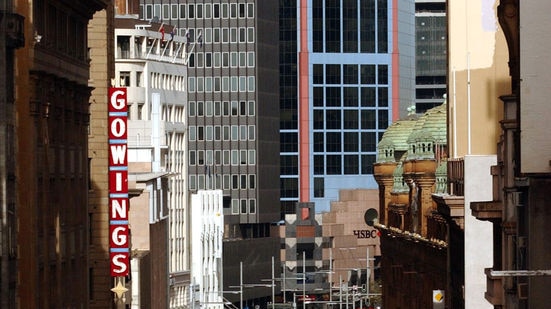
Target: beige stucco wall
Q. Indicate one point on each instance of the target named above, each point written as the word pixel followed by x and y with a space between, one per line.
pixel 477 74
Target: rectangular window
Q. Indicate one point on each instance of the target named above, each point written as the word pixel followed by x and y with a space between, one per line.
pixel 250 10
pixel 208 84
pixel 367 72
pixel 242 35
pixel 217 108
pixel 217 133
pixel 252 181
pixel 225 60
pixel 208 35
pixel 234 157
pixel 226 132
pixel 369 142
pixel 183 11
pixel 234 108
pixel 235 206
pixel 242 132
pixel 234 133
pixel 225 35
pixel 233 35
pixel 200 108
pixel 234 182
pixel 333 73
pixel 216 35
pixel 191 108
pixel 208 60
pixel 216 59
pixel 174 11
pixel 166 12
pixel 200 133
pixel 225 10
pixel 319 165
pixel 250 59
pixel 191 84
pixel 200 157
pixel 234 84
pixel 250 35
pixel 192 133
pixel 192 159
pixel 201 182
pixel 334 166
pixel 217 156
pixel 251 108
pixel 332 26
pixel 243 206
pixel 191 11
pixel 192 182
pixel 209 160
pixel 251 84
pixel 350 142
pixel 251 136
pixel 319 187
pixel 242 83
pixel 209 133
pixel 217 86
pixel 199 11
pixel 227 182
pixel 208 11
pixel 242 59
pixel 225 84
pixel 233 10
pixel 216 10
pixel 243 182
pixel 382 74
pixel 234 60
pixel 367 164
pixel 252 157
pixel 226 108
pixel 226 157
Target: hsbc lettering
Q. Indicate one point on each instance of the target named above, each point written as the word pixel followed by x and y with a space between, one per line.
pixel 119 242
pixel 366 233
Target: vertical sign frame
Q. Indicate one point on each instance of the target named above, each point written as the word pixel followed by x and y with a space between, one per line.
pixel 119 242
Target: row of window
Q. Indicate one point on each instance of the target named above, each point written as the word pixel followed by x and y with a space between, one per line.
pixel 350 74
pixel 224 84
pixel 212 158
pixel 222 60
pixel 222 133
pixel 196 11
pixel 221 108
pixel 350 119
pixel 243 206
pixel 222 182
pixel 350 96
pixel 350 26
pixel 348 164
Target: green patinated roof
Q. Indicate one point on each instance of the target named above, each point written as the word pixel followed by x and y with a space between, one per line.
pixel 431 126
pixel 398 133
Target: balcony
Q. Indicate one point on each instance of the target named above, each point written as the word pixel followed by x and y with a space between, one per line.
pixel 456 174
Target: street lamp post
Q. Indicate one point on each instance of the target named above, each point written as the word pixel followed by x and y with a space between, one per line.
pixel 303 280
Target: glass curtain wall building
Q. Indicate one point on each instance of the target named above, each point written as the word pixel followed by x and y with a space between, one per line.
pixel 354 63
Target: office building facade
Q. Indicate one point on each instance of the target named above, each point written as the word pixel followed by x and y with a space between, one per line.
pixel 233 115
pixel 347 71
pixel 430 53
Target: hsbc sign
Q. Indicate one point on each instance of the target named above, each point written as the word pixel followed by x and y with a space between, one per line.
pixel 119 242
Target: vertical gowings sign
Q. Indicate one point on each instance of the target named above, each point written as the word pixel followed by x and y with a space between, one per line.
pixel 119 243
